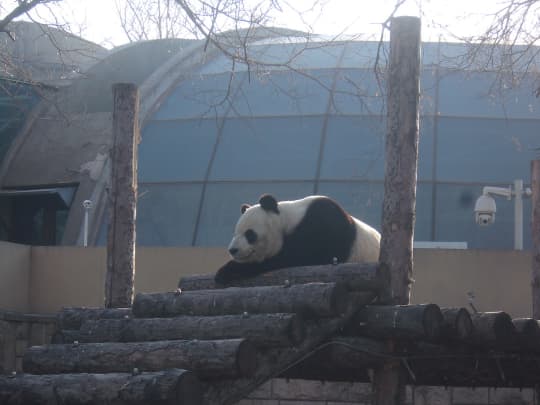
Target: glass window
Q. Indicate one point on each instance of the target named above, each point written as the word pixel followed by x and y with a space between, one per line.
pixel 284 93
pixel 166 214
pixel 357 92
pixel 203 96
pixel 268 149
pixel 298 54
pixel 365 200
pixel 485 150
pixel 455 221
pixel 222 202
pixel 474 94
pixel 176 150
pixel 354 148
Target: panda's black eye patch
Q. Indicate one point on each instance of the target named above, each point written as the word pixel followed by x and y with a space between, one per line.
pixel 251 236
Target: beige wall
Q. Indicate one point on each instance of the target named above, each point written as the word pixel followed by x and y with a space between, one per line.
pixel 14 276
pixel 74 276
pixel 500 280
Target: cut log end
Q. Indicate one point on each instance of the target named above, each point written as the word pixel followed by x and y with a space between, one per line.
pixel 457 323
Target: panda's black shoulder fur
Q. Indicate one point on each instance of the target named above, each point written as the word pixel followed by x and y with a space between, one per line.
pixel 324 233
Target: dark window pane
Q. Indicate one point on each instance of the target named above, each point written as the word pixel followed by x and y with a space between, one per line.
pixel 222 203
pixel 176 150
pixel 268 148
pixel 485 150
pixel 455 219
pixel 166 214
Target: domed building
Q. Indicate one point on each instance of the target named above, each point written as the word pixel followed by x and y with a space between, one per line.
pixel 304 116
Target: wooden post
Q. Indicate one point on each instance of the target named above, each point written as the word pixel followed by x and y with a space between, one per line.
pixel 535 187
pixel 396 257
pixel 122 197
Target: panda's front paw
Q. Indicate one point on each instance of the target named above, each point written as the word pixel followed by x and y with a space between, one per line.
pixel 226 274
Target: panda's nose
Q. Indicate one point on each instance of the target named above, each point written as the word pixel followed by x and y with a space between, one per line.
pixel 233 251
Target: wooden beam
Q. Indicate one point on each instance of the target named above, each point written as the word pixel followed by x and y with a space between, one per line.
pixel 401 161
pixel 122 197
pixel 313 299
pixel 165 387
pixel 262 329
pixel 207 358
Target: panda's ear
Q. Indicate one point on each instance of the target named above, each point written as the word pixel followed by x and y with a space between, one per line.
pixel 244 207
pixel 269 203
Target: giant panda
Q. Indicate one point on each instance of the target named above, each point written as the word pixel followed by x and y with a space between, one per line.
pixel 314 230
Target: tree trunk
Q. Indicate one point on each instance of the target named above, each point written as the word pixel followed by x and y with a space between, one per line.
pixel 262 330
pixel 207 358
pixel 73 318
pixel 357 277
pixel 165 387
pixel 401 161
pixel 535 187
pixel 320 299
pixel 122 198
pixel 399 322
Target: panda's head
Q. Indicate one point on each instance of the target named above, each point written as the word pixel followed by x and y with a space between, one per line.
pixel 259 233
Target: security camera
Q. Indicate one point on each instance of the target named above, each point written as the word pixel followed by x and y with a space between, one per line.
pixel 87 204
pixel 484 210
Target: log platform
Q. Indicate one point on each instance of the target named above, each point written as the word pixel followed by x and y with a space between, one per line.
pixel 211 344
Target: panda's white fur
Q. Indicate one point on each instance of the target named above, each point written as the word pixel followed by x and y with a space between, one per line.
pixel 309 231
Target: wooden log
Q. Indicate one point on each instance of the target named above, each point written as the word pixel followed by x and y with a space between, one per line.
pixel 164 387
pixel 527 327
pixel 355 276
pixel 457 324
pixel 261 329
pixel 73 318
pixel 207 358
pixel 399 321
pixel 313 299
pixel 122 201
pixel 493 328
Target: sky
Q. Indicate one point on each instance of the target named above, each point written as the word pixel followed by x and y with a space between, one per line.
pixel 97 20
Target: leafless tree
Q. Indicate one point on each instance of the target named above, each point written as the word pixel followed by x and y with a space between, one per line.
pixel 154 19
pixel 509 46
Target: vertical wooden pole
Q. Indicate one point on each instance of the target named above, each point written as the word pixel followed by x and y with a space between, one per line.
pixel 535 282
pixel 122 198
pixel 399 203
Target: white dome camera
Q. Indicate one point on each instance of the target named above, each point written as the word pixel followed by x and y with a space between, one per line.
pixel 87 204
pixel 484 210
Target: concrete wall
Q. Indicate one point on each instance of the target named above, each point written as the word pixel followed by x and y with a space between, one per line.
pixel 14 276
pixel 45 279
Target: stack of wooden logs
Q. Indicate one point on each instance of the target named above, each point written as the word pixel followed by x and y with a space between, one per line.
pixel 204 343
